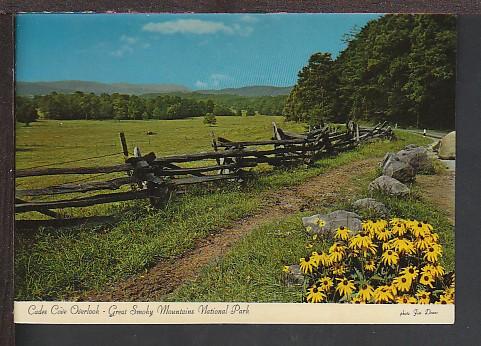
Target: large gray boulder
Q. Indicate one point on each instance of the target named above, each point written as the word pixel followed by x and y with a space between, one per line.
pixel 447 147
pixel 399 170
pixel 415 156
pixel 329 223
pixel 370 205
pixel 389 186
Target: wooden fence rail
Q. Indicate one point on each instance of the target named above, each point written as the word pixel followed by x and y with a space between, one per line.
pixel 157 177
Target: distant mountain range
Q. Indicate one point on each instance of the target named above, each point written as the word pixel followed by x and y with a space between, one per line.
pixel 70 86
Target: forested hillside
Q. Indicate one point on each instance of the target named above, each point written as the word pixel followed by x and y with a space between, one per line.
pixel 399 68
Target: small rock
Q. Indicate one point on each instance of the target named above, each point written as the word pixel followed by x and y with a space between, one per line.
pixel 388 185
pixel 328 223
pixel 447 147
pixel 293 276
pixel 371 205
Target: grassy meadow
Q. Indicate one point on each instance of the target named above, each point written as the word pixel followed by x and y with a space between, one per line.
pixel 63 263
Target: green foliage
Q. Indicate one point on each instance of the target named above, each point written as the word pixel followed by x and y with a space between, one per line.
pixel 398 68
pixel 210 119
pixel 25 110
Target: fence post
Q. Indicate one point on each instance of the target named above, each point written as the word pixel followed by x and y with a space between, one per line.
pixel 357 133
pixel 123 142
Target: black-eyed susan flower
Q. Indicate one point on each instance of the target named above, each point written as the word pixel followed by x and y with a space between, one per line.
pixel 403 245
pixel 370 265
pixel 307 264
pixel 345 287
pixel 383 234
pixel 357 300
pixel 309 246
pixel 320 222
pixel 366 292
pixel 423 297
pixel 342 233
pixel 390 257
pixel 421 243
pixel 399 229
pixel 325 283
pixel 410 272
pixel 406 299
pixel 360 241
pixel 323 259
pixel 338 269
pixel 443 299
pixel 402 283
pixel 383 294
pixel 432 253
pixel 315 295
pixel 426 280
pixel 285 269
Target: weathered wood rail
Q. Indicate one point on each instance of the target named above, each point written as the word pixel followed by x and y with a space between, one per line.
pixel 157 178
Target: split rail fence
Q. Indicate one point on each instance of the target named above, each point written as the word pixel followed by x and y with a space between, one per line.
pixel 157 178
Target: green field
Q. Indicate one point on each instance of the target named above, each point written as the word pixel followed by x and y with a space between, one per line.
pixel 63 263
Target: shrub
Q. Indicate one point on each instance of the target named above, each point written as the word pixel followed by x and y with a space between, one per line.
pixel 210 119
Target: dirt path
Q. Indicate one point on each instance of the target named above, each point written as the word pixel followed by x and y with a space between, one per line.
pixel 167 275
pixel 439 189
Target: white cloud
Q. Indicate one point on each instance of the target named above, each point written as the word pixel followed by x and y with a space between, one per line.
pixel 201 85
pixel 214 81
pixel 128 45
pixel 196 27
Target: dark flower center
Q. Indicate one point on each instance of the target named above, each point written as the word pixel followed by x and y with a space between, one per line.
pixel 389 252
pixel 411 271
pixel 431 249
pixel 325 282
pixel 426 278
pixel 364 286
pixel 345 282
pixel 342 228
pixel 423 296
pixel 403 280
pixel 405 300
pixel 314 290
pixel 443 302
pixel 399 225
pixel 420 225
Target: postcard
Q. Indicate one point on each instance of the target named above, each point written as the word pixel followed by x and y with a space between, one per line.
pixel 235 168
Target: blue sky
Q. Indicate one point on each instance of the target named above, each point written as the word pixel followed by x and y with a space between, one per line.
pixel 199 51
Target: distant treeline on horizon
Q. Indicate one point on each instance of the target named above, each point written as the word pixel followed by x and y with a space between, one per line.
pixel 90 106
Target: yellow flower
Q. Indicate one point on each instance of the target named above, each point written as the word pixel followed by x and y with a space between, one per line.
pixel 419 229
pixel 357 300
pixel 338 269
pixel 337 252
pixel 403 245
pixel 390 257
pixel 399 228
pixel 426 280
pixel 393 289
pixel 402 283
pixel 360 241
pixel 308 246
pixel 410 272
pixel 406 299
pixel 383 234
pixel 315 295
pixel 314 236
pixel 370 265
pixel 372 248
pixel 443 299
pixel 285 269
pixel 422 243
pixel 366 292
pixel 321 222
pixel 345 287
pixel 325 283
pixel 307 264
pixel 423 297
pixel 383 294
pixel 432 253
pixel 342 233
pixel 324 259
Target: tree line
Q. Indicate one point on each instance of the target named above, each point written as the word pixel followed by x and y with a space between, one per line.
pixel 89 106
pixel 398 68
